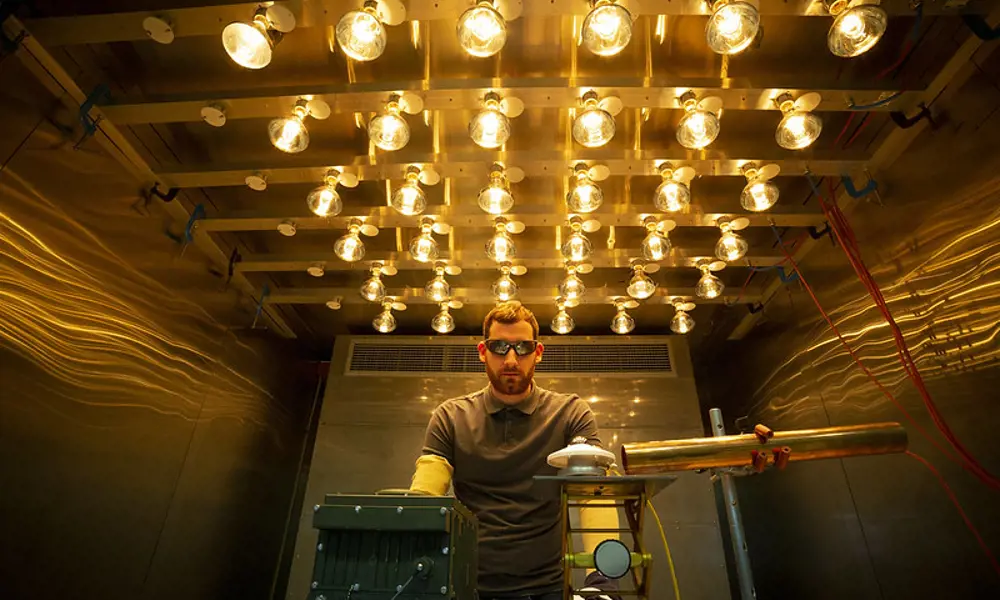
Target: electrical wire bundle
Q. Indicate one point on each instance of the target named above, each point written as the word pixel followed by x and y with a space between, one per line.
pixel 845 236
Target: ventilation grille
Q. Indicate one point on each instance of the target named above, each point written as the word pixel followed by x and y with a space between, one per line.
pixel 559 358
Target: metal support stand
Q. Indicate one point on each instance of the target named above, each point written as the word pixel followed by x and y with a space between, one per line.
pixel 735 518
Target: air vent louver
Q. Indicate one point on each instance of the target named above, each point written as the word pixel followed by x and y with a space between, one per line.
pixel 372 358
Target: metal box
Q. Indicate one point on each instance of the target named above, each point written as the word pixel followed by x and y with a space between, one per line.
pixel 393 547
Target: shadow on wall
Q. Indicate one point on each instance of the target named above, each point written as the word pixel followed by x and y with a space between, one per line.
pixel 943 294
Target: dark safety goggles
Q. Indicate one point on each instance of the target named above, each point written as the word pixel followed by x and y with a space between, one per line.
pixel 502 347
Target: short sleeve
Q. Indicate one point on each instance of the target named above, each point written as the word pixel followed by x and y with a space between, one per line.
pixel 582 423
pixel 439 439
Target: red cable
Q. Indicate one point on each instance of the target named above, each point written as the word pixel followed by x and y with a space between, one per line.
pixel 958 507
pixel 857 132
pixel 850 120
pixel 845 235
pixel 858 362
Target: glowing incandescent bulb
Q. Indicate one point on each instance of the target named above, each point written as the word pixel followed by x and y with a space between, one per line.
pixel 424 247
pixel 409 199
pixel 732 27
pixel 586 196
pixel 350 248
pixel 682 322
pixel 438 289
pixel 373 290
pixel 641 286
pixel 656 245
pixel 798 128
pixel 496 199
pixel 360 34
pixel 730 246
pixel 504 288
pixel 324 201
pixel 855 30
pixel 562 323
pixel 290 134
pixel 577 248
pixel 385 322
pixel 572 287
pixel 443 322
pixel 389 131
pixel 490 128
pixel 607 29
pixel 250 44
pixel 482 30
pixel 759 194
pixel 500 248
pixel 698 127
pixel 622 322
pixel 709 286
pixel 593 126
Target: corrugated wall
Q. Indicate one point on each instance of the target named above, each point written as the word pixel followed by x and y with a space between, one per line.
pixel 148 448
pixel 882 527
pixel 372 427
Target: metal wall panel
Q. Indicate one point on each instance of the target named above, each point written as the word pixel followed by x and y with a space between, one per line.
pixel 885 520
pixel 371 432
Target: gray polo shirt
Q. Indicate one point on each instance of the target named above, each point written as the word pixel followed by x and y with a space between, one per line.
pixel 496 451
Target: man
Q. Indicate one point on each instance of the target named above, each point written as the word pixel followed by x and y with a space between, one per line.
pixel 491 443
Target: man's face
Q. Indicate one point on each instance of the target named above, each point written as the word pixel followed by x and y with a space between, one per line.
pixel 510 374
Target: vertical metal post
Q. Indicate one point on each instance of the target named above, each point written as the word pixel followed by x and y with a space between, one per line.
pixel 743 572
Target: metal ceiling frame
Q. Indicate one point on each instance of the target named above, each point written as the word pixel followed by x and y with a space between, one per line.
pixel 619 258
pixel 121 27
pixel 467 94
pixel 484 297
pixel 535 163
pixel 50 73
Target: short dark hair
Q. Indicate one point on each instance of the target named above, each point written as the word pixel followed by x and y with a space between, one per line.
pixel 509 313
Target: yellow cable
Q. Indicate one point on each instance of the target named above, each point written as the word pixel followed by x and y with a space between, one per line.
pixel 670 559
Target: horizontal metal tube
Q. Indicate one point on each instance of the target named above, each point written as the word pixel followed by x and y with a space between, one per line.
pixel 735 450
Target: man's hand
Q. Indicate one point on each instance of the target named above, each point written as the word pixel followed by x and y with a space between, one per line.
pixel 599 587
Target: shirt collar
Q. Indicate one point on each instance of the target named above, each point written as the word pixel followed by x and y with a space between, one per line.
pixel 526 406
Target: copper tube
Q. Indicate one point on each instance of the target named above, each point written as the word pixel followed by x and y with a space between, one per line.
pixel 734 450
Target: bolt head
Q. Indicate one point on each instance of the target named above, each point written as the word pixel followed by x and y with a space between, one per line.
pixel 314 585
pixel 444 510
pixel 399 510
pixel 444 589
pixel 357 509
pixel 321 597
pixel 319 547
pixel 315 507
pixel 444 550
pixel 399 588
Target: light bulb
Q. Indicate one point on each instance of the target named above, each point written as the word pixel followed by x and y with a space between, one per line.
pixel 577 247
pixel 709 286
pixel 732 27
pixel 443 322
pixel 759 195
pixel 672 196
pixel 437 289
pixel 562 323
pixel 490 128
pixel 289 134
pixel 798 130
pixel 607 28
pixel 641 286
pixel 500 248
pixel 482 31
pixel 495 200
pixel 360 34
pixel 585 197
pixel 424 248
pixel 697 129
pixel 373 290
pixel 622 322
pixel 504 288
pixel 324 201
pixel 349 248
pixel 593 127
pixel 248 44
pixel 409 199
pixel 730 246
pixel 572 287
pixel 681 323
pixel 856 30
pixel 389 131
pixel 655 246
pixel 384 322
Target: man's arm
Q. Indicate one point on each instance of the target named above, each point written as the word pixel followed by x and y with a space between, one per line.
pixel 434 468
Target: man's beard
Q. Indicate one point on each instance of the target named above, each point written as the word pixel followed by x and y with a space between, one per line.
pixel 511 386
